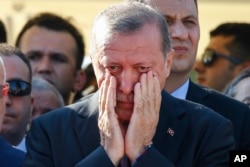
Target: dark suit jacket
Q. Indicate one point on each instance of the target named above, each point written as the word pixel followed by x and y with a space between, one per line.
pixel 70 137
pixel 237 112
pixel 10 156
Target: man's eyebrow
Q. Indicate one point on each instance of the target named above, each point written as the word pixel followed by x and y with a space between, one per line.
pixel 186 17
pixel 41 52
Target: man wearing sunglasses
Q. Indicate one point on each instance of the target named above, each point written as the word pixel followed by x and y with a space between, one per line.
pixel 183 22
pixel 19 102
pixel 9 156
pixel 227 54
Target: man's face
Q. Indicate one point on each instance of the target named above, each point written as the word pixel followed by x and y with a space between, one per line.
pixel 127 57
pixel 182 18
pixel 218 74
pixel 18 108
pixel 44 101
pixel 52 56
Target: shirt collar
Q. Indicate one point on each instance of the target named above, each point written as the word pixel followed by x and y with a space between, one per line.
pixel 181 92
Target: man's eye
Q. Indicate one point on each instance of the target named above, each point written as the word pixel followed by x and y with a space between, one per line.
pixel 169 21
pixel 58 58
pixel 144 69
pixel 189 23
pixel 113 68
pixel 34 56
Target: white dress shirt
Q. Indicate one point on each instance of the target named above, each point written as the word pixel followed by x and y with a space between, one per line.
pixel 22 146
pixel 181 92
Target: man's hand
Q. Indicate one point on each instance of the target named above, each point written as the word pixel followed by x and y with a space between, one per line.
pixel 111 136
pixel 144 120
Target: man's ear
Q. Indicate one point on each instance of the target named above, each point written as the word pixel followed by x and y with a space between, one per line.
pixel 80 80
pixel 168 62
pixel 239 68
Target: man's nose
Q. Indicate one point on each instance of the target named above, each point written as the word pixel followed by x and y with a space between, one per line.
pixel 127 81
pixel 44 66
pixel 199 67
pixel 178 31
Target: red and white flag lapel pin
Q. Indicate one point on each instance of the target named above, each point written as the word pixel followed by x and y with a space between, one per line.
pixel 170 131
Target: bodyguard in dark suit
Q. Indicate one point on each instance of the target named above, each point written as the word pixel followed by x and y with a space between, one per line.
pixel 238 113
pixel 184 28
pixel 130 120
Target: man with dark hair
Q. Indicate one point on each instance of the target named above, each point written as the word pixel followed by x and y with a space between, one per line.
pixel 226 55
pixel 130 120
pixel 9 156
pixel 184 28
pixel 3 33
pixel 19 102
pixel 55 49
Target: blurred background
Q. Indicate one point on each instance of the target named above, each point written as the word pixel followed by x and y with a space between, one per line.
pixel 14 14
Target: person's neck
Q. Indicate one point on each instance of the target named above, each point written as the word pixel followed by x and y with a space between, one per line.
pixel 174 81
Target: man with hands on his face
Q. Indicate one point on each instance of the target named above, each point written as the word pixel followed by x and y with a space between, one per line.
pixel 128 130
pixel 130 120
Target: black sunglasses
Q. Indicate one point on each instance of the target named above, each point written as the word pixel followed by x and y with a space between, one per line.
pixel 209 56
pixel 19 88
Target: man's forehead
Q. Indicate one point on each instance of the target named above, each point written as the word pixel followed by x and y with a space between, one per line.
pixel 174 6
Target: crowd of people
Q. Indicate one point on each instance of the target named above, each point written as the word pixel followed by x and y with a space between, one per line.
pixel 135 104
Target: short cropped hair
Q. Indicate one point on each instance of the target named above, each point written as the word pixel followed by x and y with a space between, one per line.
pixel 8 50
pixel 239 46
pixel 144 1
pixel 134 17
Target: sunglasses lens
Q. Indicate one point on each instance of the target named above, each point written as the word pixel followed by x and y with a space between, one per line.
pixel 19 88
pixel 208 57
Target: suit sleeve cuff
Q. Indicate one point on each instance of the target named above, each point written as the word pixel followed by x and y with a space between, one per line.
pixel 97 157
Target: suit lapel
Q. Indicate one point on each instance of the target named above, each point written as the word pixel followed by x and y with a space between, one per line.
pixel 195 94
pixel 86 128
pixel 172 127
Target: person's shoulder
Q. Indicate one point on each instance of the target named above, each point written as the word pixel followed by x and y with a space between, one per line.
pixel 215 98
pixel 82 108
pixel 9 155
pixel 195 111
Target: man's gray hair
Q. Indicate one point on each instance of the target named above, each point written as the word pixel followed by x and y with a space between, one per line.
pixel 127 17
pixel 41 84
